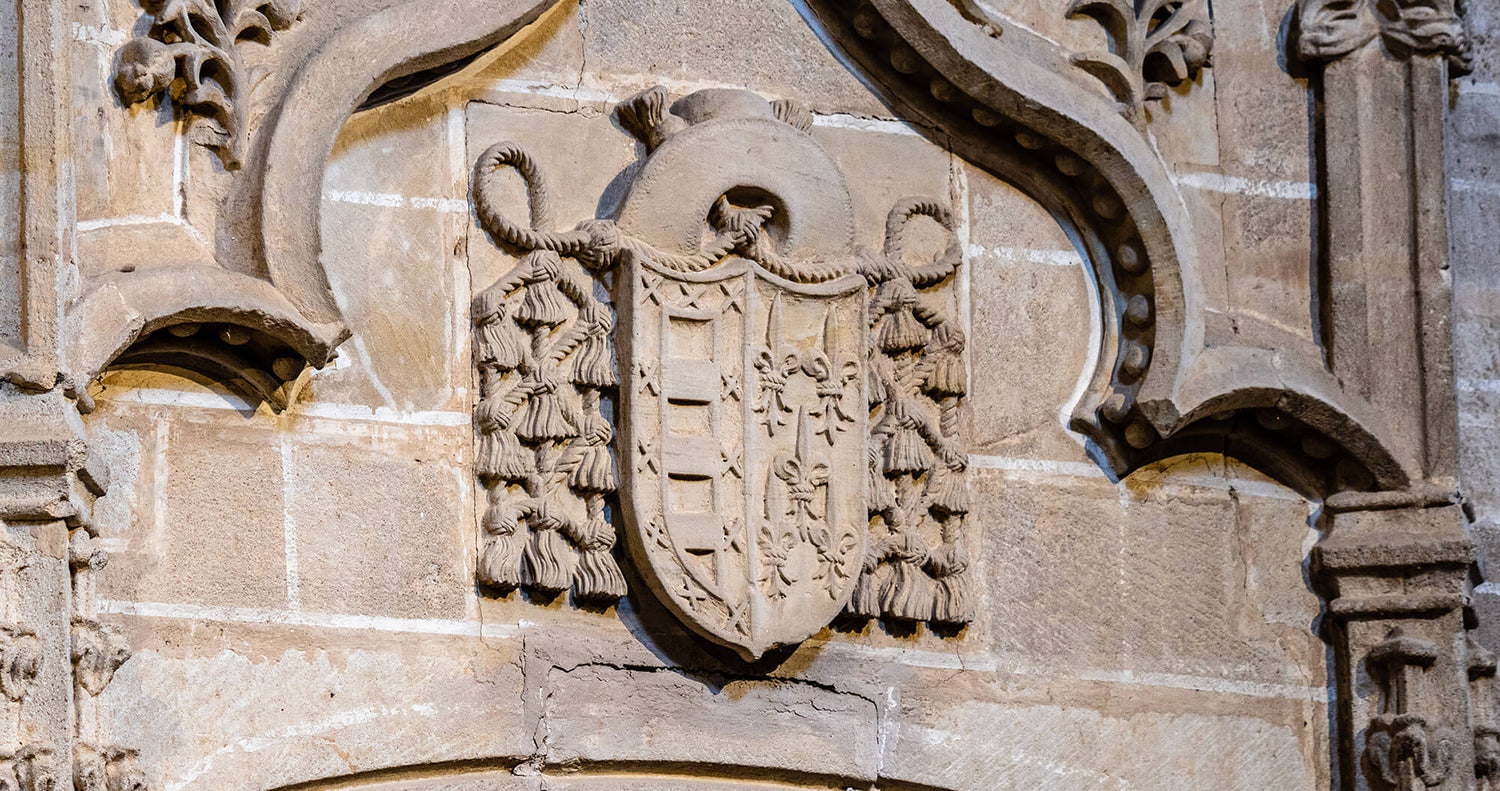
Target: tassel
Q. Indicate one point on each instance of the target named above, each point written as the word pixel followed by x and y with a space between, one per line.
pixel 865 601
pixel 499 346
pixel 544 420
pixel 496 342
pixel 543 305
pixel 591 363
pixel 906 452
pixel 907 594
pixel 948 378
pixel 500 564
pixel 502 458
pixel 547 556
pixel 875 383
pixel 595 472
pixel 597 577
pixel 882 499
pixel 947 492
pixel 898 330
pixel 952 603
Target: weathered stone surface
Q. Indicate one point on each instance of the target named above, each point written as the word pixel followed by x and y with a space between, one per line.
pixel 191 554
pixel 404 700
pixel 1163 254
pixel 1025 372
pixel 1059 747
pixel 662 716
pixel 380 528
pixel 689 44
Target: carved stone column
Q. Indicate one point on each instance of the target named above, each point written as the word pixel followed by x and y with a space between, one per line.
pixel 1395 573
pixel 1395 567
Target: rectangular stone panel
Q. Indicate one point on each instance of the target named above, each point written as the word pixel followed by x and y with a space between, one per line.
pixel 211 532
pixel 233 707
pixel 381 527
pixel 601 713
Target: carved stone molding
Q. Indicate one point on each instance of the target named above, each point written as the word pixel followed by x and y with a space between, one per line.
pixel 1395 573
pixel 1011 103
pixel 261 298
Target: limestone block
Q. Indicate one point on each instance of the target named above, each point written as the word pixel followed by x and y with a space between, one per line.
pixel 1087 578
pixel 766 47
pixel 381 527
pixel 1185 122
pixel 213 529
pixel 1264 121
pixel 601 712
pixel 980 744
pixel 126 162
pixel 388 197
pixel 10 188
pixel 1030 307
pixel 310 704
pixel 1266 254
pixel 549 52
pixel 888 162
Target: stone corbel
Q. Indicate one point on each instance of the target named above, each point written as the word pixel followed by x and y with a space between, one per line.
pixel 258 309
pixel 1016 104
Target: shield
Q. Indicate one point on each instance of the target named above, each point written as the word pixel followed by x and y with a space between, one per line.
pixel 744 450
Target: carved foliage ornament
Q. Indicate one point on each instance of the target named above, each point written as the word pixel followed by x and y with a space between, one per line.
pixel 1153 45
pixel 753 338
pixel 192 52
pixel 1331 29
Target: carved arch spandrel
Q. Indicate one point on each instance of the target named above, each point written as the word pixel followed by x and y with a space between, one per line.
pixel 1015 104
pixel 264 297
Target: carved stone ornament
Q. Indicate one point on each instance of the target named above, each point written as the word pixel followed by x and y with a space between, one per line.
pixel 754 341
pixel 1402 752
pixel 98 651
pixel 20 661
pixel 36 769
pixel 107 770
pixel 192 52
pixel 1153 45
pixel 1331 29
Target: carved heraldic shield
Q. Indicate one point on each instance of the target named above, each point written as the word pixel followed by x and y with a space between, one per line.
pixel 786 409
pixel 742 382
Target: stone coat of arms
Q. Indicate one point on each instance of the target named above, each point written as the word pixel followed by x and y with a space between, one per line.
pixel 778 464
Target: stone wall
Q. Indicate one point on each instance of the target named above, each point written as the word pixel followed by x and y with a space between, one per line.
pixel 299 587
pixel 1473 169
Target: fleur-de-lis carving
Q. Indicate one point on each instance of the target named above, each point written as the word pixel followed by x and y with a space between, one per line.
pixel 803 478
pixel 832 373
pixel 776 363
pixel 793 517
